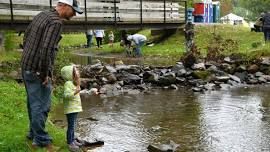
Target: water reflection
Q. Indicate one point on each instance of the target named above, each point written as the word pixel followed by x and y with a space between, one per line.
pixel 233 120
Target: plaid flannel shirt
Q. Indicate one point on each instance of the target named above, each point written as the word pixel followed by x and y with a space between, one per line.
pixel 40 43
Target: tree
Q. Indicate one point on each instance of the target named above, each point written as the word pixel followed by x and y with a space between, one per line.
pixel 256 7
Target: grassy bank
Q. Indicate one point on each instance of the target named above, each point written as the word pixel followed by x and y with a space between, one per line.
pixel 14 119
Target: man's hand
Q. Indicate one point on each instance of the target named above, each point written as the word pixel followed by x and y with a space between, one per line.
pixel 46 80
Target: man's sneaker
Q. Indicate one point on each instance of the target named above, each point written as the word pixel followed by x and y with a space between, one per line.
pixel 52 148
pixel 77 143
pixel 73 147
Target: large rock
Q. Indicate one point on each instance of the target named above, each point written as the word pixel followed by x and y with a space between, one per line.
pixel 253 68
pixel 90 71
pixel 181 73
pixel 222 78
pixel 149 76
pixel 109 69
pixel 243 76
pixel 266 61
pixel 235 78
pixel 167 79
pixel 86 83
pixel 178 66
pixel 110 90
pixel 199 66
pixel 168 147
pixel 131 79
pixel 241 68
pixel 111 78
pixel 201 74
pixel 227 68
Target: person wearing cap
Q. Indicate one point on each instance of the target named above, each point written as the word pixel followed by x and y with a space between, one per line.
pixel 39 50
pixel 139 41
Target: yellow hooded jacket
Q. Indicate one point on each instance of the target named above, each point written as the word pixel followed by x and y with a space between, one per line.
pixel 72 103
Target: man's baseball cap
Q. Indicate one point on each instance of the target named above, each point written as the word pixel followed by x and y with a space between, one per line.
pixel 73 4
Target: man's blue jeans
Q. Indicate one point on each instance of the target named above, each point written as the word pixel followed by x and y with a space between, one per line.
pixel 138 48
pixel 38 105
pixel 266 34
pixel 71 119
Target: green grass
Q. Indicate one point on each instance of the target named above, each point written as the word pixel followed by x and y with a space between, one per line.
pixel 14 119
pixel 242 35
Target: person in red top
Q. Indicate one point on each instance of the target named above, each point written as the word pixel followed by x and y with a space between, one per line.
pixel 39 50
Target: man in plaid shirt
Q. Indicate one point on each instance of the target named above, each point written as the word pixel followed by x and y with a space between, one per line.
pixel 40 45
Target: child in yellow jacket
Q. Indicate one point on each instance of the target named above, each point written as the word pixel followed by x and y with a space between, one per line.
pixel 72 102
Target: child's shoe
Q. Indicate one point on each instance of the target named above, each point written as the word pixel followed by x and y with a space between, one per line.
pixel 73 147
pixel 77 143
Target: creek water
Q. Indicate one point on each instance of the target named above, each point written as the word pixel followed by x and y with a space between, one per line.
pixel 237 119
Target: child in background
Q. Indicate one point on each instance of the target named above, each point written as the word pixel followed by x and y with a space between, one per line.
pixel 72 103
pixel 111 39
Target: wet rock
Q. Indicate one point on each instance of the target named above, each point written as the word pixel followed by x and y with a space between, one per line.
pixel 241 68
pixel 168 147
pixel 111 78
pixel 167 79
pixel 235 78
pixel 227 68
pixel 87 82
pixel 201 74
pixel 252 81
pixel 232 83
pixel 104 80
pixel 196 82
pixel 179 66
pixel 111 90
pixel 163 71
pixel 259 74
pixel 141 87
pixel 132 91
pixel 210 86
pixel 222 78
pixel 224 86
pixel 181 73
pixel 147 68
pixel 264 69
pixel 199 66
pixel 228 60
pixel 90 71
pixel 131 79
pixel 151 77
pixel 266 77
pixel 180 80
pixel 262 80
pixel 214 69
pixel 120 68
pixel 243 76
pixel 197 89
pixel 253 68
pixel 266 61
pixel 109 69
pixel 173 86
pixel 134 69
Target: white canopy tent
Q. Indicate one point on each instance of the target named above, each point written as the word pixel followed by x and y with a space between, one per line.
pixel 232 19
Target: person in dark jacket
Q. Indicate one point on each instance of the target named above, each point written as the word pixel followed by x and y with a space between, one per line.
pixel 266 26
pixel 39 51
